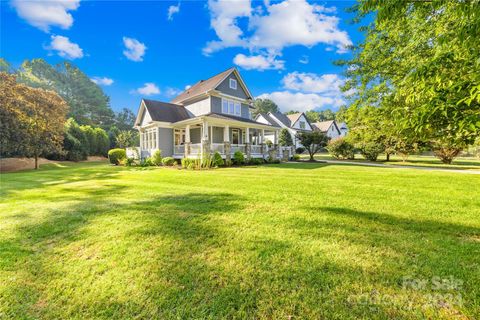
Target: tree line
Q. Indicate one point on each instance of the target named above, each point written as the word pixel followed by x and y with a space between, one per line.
pixel 57 112
pixel 414 82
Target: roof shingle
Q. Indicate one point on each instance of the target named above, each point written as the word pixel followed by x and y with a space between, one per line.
pixel 167 112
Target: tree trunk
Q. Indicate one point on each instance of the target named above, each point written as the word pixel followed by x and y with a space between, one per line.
pixel 36 161
pixel 388 156
pixel 311 156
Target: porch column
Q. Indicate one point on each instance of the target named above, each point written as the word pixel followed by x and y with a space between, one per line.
pixel 187 141
pixel 248 149
pixel 141 139
pixel 262 141
pixel 226 141
pixel 205 141
pixel 158 138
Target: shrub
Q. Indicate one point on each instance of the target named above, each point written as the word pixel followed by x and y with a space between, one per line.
pixel 341 149
pixel 256 161
pixel 268 143
pixel 116 155
pixel 129 162
pixel 296 157
pixel 217 160
pixel 167 161
pixel 157 158
pixel 238 158
pixel 300 150
pixel 285 139
pixel 371 150
pixel 147 162
pixel 186 163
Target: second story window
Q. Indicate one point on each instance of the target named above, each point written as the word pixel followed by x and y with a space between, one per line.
pixel 231 107
pixel 233 84
pixel 302 124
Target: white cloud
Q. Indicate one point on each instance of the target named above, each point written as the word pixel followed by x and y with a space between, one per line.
pixel 258 62
pixel 310 82
pixel 102 81
pixel 307 91
pixel 288 23
pixel 43 14
pixel 65 48
pixel 135 50
pixel 224 17
pixel 148 89
pixel 172 92
pixel 172 10
pixel 298 101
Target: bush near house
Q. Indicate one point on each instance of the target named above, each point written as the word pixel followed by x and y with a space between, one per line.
pixel 168 161
pixel 300 150
pixel 116 155
pixel 157 157
pixel 217 160
pixel 238 158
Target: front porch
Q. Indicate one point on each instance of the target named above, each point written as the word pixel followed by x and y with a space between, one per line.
pixel 207 136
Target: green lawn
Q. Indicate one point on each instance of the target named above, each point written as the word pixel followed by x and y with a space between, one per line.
pixel 470 163
pixel 299 241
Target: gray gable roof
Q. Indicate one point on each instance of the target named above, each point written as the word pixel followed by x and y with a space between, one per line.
pixel 166 112
pixel 282 118
pixel 268 118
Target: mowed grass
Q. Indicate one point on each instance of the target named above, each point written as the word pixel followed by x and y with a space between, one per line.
pixel 290 241
pixel 465 163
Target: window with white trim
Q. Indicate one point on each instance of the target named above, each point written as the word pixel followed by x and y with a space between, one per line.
pixel 302 124
pixel 231 107
pixel 233 84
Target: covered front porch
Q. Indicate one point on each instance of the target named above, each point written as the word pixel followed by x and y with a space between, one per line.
pixel 206 135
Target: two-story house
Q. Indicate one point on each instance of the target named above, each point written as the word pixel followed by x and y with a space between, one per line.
pixel 294 123
pixel 329 127
pixel 211 116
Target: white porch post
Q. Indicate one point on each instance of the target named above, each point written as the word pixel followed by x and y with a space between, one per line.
pixel 186 151
pixel 141 139
pixel 187 133
pixel 158 138
pixel 226 134
pixel 262 136
pixel 248 149
pixel 247 135
pixel 205 140
pixel 226 142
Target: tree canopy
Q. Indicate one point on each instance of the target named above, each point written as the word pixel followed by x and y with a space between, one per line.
pixel 32 119
pixel 88 104
pixel 264 106
pixel 419 64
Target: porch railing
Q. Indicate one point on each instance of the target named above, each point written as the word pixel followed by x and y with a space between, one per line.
pixel 237 147
pixel 256 149
pixel 195 148
pixel 179 149
pixel 218 147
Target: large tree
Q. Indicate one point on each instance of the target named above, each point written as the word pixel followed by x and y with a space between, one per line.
pixel 264 106
pixel 313 141
pixel 419 62
pixel 34 119
pixel 88 104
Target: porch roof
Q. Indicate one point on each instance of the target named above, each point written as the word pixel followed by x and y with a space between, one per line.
pixel 227 119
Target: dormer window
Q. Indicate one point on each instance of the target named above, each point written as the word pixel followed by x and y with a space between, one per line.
pixel 233 84
pixel 302 124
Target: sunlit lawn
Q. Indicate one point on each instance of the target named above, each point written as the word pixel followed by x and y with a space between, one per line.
pixel 306 241
pixel 471 163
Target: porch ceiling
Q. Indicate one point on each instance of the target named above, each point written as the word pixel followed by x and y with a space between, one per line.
pixel 221 121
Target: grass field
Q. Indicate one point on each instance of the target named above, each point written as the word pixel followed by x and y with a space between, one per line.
pixel 290 241
pixel 463 163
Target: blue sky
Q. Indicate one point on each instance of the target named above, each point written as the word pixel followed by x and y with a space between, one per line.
pixel 133 49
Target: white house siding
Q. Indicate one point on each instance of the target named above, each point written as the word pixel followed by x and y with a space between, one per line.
pixel 332 132
pixel 146 118
pixel 303 119
pixel 200 107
